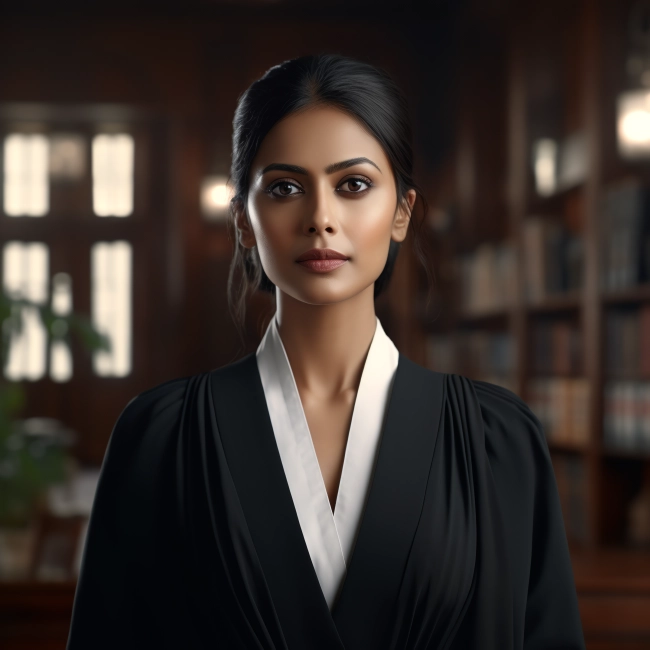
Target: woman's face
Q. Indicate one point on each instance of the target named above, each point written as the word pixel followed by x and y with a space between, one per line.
pixel 350 208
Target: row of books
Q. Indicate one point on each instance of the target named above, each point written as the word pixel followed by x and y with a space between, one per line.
pixel 553 256
pixel 562 406
pixel 477 353
pixel 624 224
pixel 570 476
pixel 626 419
pixel 627 341
pixel 556 347
pixel 553 259
pixel 487 278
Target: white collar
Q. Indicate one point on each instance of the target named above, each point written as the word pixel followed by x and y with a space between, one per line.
pixel 329 536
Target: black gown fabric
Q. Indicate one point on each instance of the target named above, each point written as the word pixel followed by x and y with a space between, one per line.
pixel 194 541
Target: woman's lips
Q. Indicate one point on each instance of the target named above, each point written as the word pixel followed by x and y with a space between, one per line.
pixel 322 266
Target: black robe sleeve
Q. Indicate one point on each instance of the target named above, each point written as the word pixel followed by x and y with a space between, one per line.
pixel 521 467
pixel 104 601
pixel 112 601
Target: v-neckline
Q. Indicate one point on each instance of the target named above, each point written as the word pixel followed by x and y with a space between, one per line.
pixel 302 425
pixel 330 533
pixel 388 522
pixel 340 454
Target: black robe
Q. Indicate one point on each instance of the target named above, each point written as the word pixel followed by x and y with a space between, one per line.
pixel 194 541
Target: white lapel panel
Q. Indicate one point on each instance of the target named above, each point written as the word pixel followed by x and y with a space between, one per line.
pixel 329 537
pixel 364 437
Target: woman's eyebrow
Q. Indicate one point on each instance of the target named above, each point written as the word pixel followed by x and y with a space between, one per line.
pixel 330 169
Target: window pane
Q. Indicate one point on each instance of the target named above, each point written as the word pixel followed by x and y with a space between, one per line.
pixel 113 175
pixel 26 190
pixel 25 275
pixel 111 264
pixel 67 156
pixel 60 353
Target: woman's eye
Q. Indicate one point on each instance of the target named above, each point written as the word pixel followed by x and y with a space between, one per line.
pixel 283 185
pixel 354 185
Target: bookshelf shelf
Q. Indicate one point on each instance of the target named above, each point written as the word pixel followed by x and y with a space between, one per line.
pixel 553 203
pixel 640 293
pixel 486 318
pixel 626 376
pixel 556 303
pixel 612 452
pixel 573 447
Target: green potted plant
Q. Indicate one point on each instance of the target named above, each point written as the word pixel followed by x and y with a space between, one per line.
pixel 29 463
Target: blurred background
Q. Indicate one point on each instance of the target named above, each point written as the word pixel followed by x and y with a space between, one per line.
pixel 532 144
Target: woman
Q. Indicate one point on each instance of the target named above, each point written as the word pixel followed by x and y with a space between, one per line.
pixel 325 491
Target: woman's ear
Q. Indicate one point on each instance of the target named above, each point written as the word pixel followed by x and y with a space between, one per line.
pixel 403 217
pixel 244 230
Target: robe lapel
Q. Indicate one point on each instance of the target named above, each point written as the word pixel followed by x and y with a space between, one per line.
pixel 256 468
pixel 362 613
pixel 360 617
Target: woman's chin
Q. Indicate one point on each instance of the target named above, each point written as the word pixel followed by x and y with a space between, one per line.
pixel 314 292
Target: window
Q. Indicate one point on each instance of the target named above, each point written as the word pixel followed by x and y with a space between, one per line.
pixel 111 305
pixel 113 175
pixel 48 171
pixel 25 274
pixel 26 191
pixel 60 356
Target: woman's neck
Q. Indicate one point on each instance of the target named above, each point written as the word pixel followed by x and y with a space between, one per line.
pixel 327 345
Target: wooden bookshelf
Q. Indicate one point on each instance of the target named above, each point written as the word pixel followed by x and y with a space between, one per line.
pixel 551 70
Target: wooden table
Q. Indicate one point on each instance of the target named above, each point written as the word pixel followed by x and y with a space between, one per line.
pixel 35 615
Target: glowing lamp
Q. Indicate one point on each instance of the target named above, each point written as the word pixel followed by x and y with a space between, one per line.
pixel 215 197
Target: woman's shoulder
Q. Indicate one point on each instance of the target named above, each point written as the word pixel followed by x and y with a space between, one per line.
pixel 515 442
pixel 148 418
pixel 155 400
pixel 166 399
pixel 507 416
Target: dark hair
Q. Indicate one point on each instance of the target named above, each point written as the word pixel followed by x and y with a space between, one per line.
pixel 366 93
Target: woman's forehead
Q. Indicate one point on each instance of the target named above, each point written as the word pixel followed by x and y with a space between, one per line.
pixel 316 139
